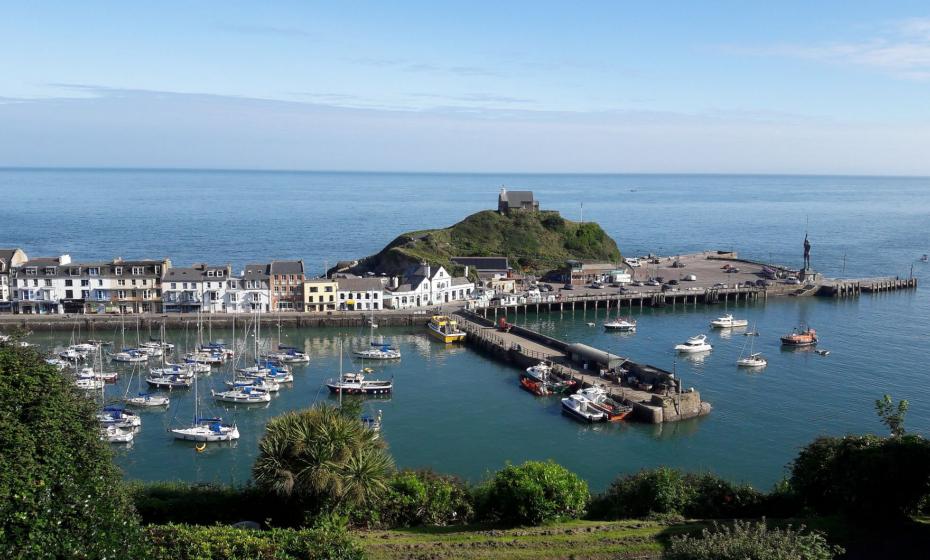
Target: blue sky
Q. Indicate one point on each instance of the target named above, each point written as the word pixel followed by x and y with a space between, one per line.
pixel 779 87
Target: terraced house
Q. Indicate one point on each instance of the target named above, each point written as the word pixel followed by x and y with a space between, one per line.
pixel 201 287
pixel 119 286
pixel 256 288
pixel 9 259
pixel 287 284
pixel 356 293
pixel 320 294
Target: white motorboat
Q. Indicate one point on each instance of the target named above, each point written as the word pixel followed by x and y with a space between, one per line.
pixel 119 417
pixel 148 400
pixel 130 356
pixel 728 322
pixel 84 347
pixel 752 361
pixel 539 372
pixel 89 384
pixel 72 355
pixel 621 324
pixel 581 408
pixel 243 395
pixel 58 363
pixel 151 351
pixel 91 373
pixel 357 384
pixel 112 434
pixel 694 344
pixel 168 381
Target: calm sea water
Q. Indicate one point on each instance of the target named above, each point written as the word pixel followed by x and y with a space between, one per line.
pixel 455 410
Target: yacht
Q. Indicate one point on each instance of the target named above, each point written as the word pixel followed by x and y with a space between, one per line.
pixel 130 355
pixel 243 395
pixel 263 383
pixel 727 322
pixel 694 344
pixel 621 324
pixel 445 329
pixel 112 434
pixel 90 373
pixel 89 384
pixel 289 355
pixel 207 430
pixel 148 400
pixel 208 358
pixel 174 369
pixel 119 417
pixel 168 381
pixel 73 355
pixel 378 353
pixel 752 361
pixel 580 408
pixel 356 384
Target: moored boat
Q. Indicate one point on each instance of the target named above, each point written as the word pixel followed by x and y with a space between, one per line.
pixel 752 361
pixel 800 337
pixel 694 344
pixel 148 400
pixel 621 324
pixel 207 430
pixel 599 399
pixel 445 329
pixel 168 381
pixel 129 356
pixel 580 408
pixel 243 395
pixel 113 434
pixel 357 384
pixel 727 322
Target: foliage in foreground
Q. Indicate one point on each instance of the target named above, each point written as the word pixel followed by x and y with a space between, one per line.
pixel 751 541
pixel 423 497
pixel 160 503
pixel 322 457
pixel 60 493
pixel 532 493
pixel 326 540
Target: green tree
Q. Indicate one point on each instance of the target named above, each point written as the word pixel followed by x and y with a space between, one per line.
pixel 60 493
pixel 892 416
pixel 533 493
pixel 323 456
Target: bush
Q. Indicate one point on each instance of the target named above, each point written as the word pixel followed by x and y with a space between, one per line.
pixel 61 496
pixel 751 541
pixel 883 478
pixel 532 493
pixel 328 540
pixel 714 498
pixel 207 504
pixel 656 491
pixel 423 498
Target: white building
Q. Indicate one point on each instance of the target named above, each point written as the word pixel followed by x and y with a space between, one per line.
pixel 9 259
pixel 424 287
pixel 356 293
pixel 38 285
pixel 255 288
pixel 200 287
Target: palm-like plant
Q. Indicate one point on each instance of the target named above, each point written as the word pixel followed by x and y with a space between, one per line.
pixel 322 454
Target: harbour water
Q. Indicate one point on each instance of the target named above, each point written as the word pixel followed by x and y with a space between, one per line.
pixel 457 411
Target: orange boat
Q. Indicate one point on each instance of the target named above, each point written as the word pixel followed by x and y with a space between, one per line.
pixel 538 388
pixel 800 338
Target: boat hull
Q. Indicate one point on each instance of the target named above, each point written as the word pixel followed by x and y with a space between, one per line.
pixel 446 337
pixel 377 390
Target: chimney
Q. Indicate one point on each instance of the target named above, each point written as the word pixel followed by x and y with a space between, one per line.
pixel 395 282
pixel 466 271
pixel 426 267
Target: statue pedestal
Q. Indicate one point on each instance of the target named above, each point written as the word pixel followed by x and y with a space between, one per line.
pixel 809 276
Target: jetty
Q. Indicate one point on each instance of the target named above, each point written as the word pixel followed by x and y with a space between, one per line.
pixel 656 395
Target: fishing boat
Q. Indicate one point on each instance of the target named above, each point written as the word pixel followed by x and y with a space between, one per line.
pixel 242 395
pixel 113 434
pixel 118 416
pixel 728 322
pixel 600 400
pixel 800 337
pixel 205 429
pixel 621 324
pixel 445 329
pixel 580 408
pixel 694 344
pixel 357 384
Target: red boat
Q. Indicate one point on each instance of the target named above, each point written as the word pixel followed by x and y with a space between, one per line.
pixel 806 337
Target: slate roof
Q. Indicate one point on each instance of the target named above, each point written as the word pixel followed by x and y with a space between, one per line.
pixel 517 199
pixel 484 263
pixel 257 271
pixel 360 284
pixel 287 267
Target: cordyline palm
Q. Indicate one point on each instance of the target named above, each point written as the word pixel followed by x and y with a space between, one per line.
pixel 322 453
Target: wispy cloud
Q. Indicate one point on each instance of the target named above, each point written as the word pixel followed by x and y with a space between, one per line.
pixel 901 49
pixel 266 30
pixel 427 68
pixel 475 98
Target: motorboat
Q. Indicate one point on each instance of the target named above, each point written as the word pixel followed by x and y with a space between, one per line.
pixel 72 355
pixel 800 337
pixel 601 400
pixel 207 430
pixel 89 384
pixel 539 372
pixel 119 417
pixel 130 355
pixel 243 395
pixel 445 329
pixel 263 383
pixel 357 384
pixel 148 400
pixel 694 344
pixel 728 322
pixel 84 347
pixel 58 363
pixel 153 351
pixel 539 380
pixel 580 408
pixel 621 324
pixel 168 381
pixel 113 434
pixel 754 360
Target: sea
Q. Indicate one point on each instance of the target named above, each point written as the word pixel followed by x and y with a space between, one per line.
pixel 455 410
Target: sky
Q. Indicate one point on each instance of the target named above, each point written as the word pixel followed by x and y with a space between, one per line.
pixel 587 87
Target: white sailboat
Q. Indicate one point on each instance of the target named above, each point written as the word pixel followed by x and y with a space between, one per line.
pixel 377 350
pixel 754 359
pixel 205 429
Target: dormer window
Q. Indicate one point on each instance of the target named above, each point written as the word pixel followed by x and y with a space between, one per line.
pixel 157 269
pixel 49 270
pixel 219 273
pixel 137 270
pixel 210 273
pixel 31 271
pixel 93 271
pixel 118 270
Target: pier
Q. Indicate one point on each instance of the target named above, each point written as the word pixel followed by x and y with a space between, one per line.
pixel 657 397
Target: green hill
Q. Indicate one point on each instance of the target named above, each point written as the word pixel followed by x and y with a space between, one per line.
pixel 534 241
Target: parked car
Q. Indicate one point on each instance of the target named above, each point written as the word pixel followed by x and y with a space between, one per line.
pixel 732 270
pixel 568 287
pixel 720 285
pixel 792 281
pixel 639 283
pixel 690 278
pixel 673 282
pixel 653 282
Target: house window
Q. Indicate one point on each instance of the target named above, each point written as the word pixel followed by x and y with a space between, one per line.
pixel 48 283
pixel 99 283
pixel 210 273
pixel 174 286
pixel 121 294
pixel 85 282
pixel 329 288
pixel 121 282
pixel 69 282
pixel 85 294
pixel 118 270
pixel 31 271
pixel 219 273
pixel 157 269
pixel 94 271
pixel 69 294
pixel 314 289
pixel 137 270
pixel 49 270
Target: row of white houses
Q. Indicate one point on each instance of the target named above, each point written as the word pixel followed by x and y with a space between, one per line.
pixel 58 285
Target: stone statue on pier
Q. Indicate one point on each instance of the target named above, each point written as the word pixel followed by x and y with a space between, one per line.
pixel 807 253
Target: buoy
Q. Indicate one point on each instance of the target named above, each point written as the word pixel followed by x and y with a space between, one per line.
pixel 200 447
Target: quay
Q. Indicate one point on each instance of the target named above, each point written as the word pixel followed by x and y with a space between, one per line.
pixel 657 397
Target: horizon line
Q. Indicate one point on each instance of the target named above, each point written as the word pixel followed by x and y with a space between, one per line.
pixel 423 172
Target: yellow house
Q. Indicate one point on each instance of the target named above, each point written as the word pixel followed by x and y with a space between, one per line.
pixel 320 295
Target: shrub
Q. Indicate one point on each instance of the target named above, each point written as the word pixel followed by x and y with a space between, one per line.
pixel 713 498
pixel 207 504
pixel 327 540
pixel 532 493
pixel 751 541
pixel 656 491
pixel 60 493
pixel 423 498
pixel 883 478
